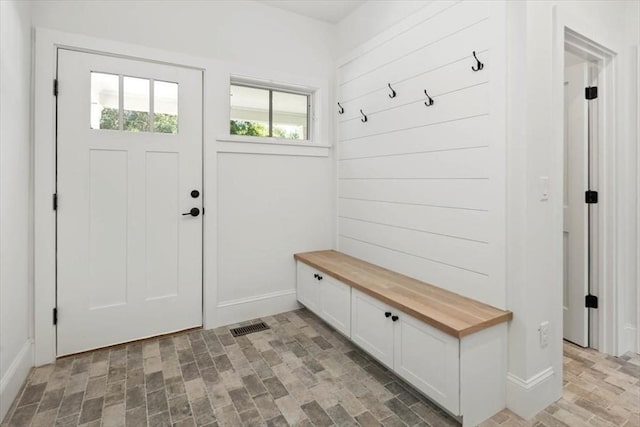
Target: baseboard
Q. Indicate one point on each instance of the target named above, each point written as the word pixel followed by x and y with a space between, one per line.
pixel 528 397
pixel 263 305
pixel 15 376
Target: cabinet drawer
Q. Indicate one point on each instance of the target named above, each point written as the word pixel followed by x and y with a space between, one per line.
pixel 371 329
pixel 428 359
pixel 308 287
pixel 335 304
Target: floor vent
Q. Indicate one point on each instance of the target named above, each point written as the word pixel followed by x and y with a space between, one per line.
pixel 244 330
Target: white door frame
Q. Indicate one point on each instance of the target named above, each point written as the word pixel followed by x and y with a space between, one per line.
pixel 46 44
pixel 602 58
pixel 608 271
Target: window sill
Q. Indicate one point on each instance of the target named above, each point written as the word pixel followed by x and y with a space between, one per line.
pixel 270 146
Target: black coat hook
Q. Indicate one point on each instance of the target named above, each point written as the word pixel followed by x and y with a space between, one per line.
pixel 364 117
pixel 393 92
pixel 341 110
pixel 479 66
pixel 429 101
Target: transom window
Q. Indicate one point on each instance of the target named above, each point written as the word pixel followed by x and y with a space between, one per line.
pixel 133 104
pixel 269 112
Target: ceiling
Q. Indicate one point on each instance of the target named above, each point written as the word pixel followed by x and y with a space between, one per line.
pixel 331 11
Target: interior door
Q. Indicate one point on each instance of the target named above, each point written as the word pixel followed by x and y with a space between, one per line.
pixel 576 235
pixel 129 216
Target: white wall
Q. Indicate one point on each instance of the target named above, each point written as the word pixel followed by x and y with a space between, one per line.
pixel 260 208
pixel 15 199
pixel 371 19
pixel 241 31
pixel 421 189
pixel 534 150
pixel 638 186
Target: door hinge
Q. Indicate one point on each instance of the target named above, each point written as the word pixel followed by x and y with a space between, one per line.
pixel 55 201
pixel 591 92
pixel 55 316
pixel 590 197
pixel 591 301
pixel 55 87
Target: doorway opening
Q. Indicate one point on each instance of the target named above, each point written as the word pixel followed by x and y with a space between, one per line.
pixel 589 298
pixel 580 230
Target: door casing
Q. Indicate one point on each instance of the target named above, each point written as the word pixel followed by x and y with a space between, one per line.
pixel 604 322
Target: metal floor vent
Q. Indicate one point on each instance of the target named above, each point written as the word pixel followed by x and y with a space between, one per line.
pixel 244 330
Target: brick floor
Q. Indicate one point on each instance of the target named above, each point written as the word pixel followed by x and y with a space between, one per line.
pixel 300 372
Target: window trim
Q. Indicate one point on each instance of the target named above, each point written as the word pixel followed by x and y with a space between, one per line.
pixel 308 92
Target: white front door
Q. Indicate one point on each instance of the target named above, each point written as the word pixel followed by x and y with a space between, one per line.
pixel 576 235
pixel 129 166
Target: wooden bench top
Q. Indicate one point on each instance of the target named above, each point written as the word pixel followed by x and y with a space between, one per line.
pixel 452 313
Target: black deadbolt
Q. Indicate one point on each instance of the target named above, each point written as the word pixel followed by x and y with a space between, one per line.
pixel 192 212
pixel 195 194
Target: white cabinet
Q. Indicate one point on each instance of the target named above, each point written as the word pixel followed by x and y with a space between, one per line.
pixel 326 297
pixel 424 356
pixel 308 290
pixel 372 327
pixel 465 375
pixel 428 359
pixel 335 304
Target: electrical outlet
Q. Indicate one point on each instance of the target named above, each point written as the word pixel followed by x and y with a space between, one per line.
pixel 544 334
pixel 544 188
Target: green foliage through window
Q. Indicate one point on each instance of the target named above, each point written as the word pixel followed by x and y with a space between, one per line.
pixel 241 127
pixel 268 112
pixel 138 121
pixel 165 123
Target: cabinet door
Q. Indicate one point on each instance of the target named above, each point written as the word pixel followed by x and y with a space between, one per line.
pixel 335 304
pixel 308 292
pixel 429 360
pixel 370 328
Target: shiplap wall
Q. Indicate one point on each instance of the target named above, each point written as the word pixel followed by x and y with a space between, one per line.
pixel 421 189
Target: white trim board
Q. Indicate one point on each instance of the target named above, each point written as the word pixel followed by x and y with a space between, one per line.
pixel 247 146
pixel 608 272
pixel 528 397
pixel 14 378
pixel 239 310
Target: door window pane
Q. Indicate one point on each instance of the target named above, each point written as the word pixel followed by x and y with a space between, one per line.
pixel 249 111
pixel 105 101
pixel 290 115
pixel 136 104
pixel 165 107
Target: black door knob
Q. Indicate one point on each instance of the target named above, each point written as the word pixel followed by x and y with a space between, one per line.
pixel 319 277
pixel 193 212
pixel 387 314
pixel 195 194
pixel 394 318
